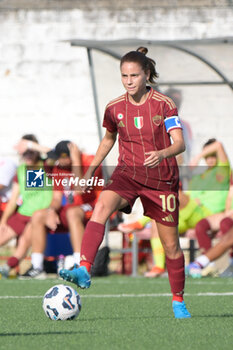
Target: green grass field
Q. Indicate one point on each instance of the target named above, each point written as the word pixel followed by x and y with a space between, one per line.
pixel 119 312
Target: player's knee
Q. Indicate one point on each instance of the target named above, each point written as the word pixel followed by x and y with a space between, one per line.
pixel 101 208
pixel 39 216
pixel 74 213
pixel 171 248
pixel 226 224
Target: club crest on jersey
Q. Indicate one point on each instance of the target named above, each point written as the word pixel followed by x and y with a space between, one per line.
pixel 120 116
pixel 138 122
pixel 157 119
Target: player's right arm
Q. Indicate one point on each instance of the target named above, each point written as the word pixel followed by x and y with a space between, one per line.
pixel 104 148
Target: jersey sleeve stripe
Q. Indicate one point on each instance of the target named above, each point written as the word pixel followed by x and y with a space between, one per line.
pixel 164 98
pixel 119 99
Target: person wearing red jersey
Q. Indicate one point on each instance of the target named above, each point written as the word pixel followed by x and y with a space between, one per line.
pixel 68 209
pixel 144 121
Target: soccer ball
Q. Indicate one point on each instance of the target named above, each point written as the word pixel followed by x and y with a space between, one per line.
pixel 61 302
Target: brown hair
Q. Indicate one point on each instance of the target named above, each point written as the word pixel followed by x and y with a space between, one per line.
pixel 28 152
pixel 30 137
pixel 209 142
pixel 147 64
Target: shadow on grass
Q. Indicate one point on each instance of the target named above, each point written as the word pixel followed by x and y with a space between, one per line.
pixel 42 333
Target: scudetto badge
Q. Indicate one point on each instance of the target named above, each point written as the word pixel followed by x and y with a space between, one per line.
pixel 138 122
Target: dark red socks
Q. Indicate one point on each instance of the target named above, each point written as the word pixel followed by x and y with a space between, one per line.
pixel 176 275
pixel 12 262
pixel 92 238
pixel 203 238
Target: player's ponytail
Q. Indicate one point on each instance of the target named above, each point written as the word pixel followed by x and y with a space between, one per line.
pixel 147 64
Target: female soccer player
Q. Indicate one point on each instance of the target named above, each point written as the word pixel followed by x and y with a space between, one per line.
pixel 144 120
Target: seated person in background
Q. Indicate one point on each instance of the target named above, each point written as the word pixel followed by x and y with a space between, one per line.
pixel 191 212
pixel 207 228
pixel 68 208
pixel 7 173
pixel 15 220
pixel 194 269
pixel 212 224
pixel 210 190
pixel 211 187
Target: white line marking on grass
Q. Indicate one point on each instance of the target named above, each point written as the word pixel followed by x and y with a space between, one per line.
pixel 20 296
pixel 154 295
pixel 133 280
pixel 163 281
pixel 212 294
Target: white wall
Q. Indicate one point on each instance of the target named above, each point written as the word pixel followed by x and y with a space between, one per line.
pixel 45 85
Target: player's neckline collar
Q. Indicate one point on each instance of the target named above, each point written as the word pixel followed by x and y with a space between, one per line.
pixel 149 94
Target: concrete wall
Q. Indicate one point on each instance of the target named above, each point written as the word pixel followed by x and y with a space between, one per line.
pixel 45 84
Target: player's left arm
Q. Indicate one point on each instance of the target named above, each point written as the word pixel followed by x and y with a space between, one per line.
pixel 178 146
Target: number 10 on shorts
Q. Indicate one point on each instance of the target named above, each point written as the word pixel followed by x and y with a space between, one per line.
pixel 168 202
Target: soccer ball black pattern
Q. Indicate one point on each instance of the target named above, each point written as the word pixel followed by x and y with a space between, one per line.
pixel 62 302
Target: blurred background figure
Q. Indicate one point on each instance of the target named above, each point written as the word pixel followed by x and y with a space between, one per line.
pixel 16 218
pixel 7 173
pixel 195 268
pixel 217 225
pixel 69 210
pixel 210 188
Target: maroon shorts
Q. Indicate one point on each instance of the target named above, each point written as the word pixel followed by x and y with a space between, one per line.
pixel 162 206
pixel 18 222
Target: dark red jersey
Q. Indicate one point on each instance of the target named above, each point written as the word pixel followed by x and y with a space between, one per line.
pixel 142 129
